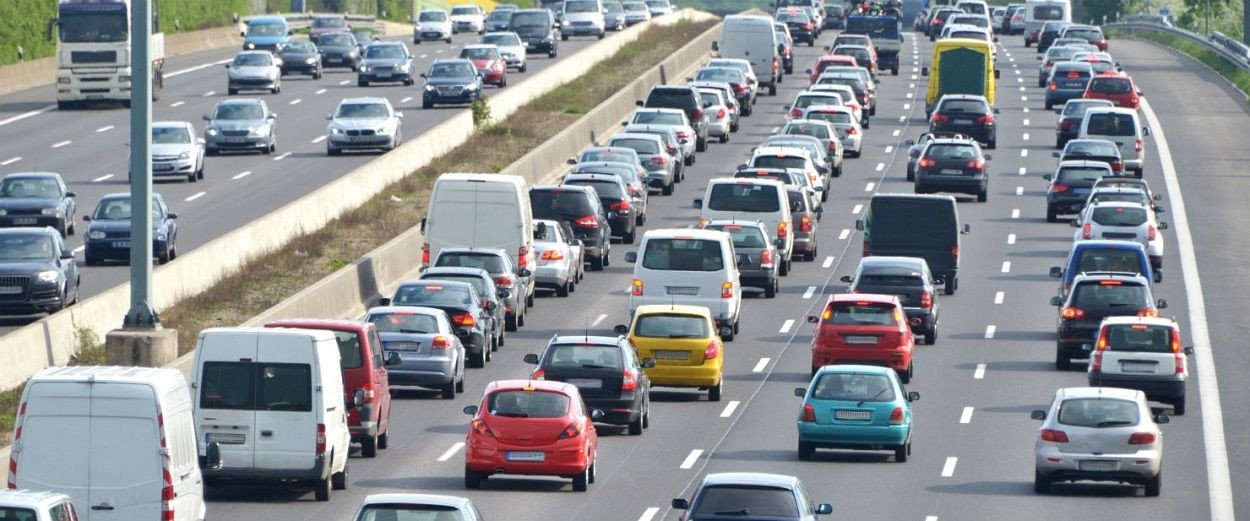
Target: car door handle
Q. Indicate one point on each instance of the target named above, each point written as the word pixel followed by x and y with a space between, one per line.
pixel 266 433
pixel 102 507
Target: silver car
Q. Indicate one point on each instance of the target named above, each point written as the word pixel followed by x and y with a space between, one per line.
pixel 364 124
pixel 498 263
pixel 758 258
pixel 803 219
pixel 431 25
pixel 431 354
pixel 559 257
pixel 468 19
pixel 846 127
pixel 636 12
pixel 254 70
pixel 828 164
pixel 1098 434
pixel 510 47
pixel 719 116
pixel 177 151
pixel 661 163
pixel 241 124
pixel 1142 353
pixel 1123 221
pixel 669 118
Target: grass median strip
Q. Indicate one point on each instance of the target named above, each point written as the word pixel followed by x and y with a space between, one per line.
pixel 1239 77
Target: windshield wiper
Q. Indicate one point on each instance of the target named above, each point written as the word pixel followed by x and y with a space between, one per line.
pixel 513 415
pixel 413 331
pixel 595 366
pixel 874 397
pixel 743 512
pixel 1113 423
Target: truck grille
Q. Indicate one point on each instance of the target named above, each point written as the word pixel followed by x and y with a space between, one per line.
pixel 93 56
pixel 13 289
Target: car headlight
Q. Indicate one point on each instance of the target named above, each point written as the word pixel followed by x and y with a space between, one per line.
pixel 211 131
pixel 95 234
pixel 430 88
pixel 4 212
pixel 159 234
pixel 50 211
pixel 48 276
pixel 336 131
pixel 259 131
pixel 353 52
pixel 251 46
pixel 311 61
pixel 471 86
pixel 366 68
pixel 184 155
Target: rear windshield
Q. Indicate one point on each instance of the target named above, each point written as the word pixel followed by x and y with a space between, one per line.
pixel 1110 86
pixel 743 236
pixel 1112 124
pixel 1078 109
pixel 1119 216
pixel 527 404
pixel 853 387
pixel 806 101
pixel 1100 259
pixel 432 16
pixel 1091 148
pixel 1120 197
pixel 1086 175
pixel 963 105
pixel 861 314
pixel 659 118
pixel 1087 34
pixel 409 512
pixel 669 98
pixel 913 223
pixel 1115 298
pixel 248 386
pixel 477 282
pixel 807 129
pixel 1098 412
pixel 778 162
pixel 642 146
pixel 605 189
pixel 951 151
pixel 719 74
pixel 432 295
pixel 671 326
pixel 18 514
pixel 350 356
pixel 573 356
pixel 400 322
pixel 744 197
pixel 1142 338
pixel 890 279
pixel 1047 12
pixel 490 263
pixel 760 502
pixel 611 156
pixel 558 204
pixel 683 255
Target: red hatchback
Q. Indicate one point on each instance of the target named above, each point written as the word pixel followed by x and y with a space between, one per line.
pixel 531 427
pixel 829 60
pixel 488 62
pixel 1117 88
pixel 861 328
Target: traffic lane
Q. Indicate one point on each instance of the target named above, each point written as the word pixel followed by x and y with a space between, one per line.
pixel 1204 119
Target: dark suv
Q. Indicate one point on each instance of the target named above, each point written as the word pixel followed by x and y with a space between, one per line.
pixel 953 165
pixel 1070 187
pixel 613 197
pixel 966 114
pixel 1050 31
pixel 37 271
pixel 580 207
pixel 1070 117
pixel 605 370
pixel 1096 295
pixel 685 98
pixel 910 280
pixel 538 29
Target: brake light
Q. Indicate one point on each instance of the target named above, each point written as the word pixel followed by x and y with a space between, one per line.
pixel 698 114
pixel 796 112
pixel 1180 362
pixel 1065 125
pixel 711 351
pixel 783 229
pixel 621 206
pixel 1142 438
pixel 937 21
pixel 1058 188
pixel 321 439
pixel 1138 145
pixel 1074 74
pixel 628 381
pixel 807 27
pixel 659 160
pixel 986 119
pixel 1095 362
pixel 523 257
pixel 463 319
pixel 425 254
pixel 727 290
pixel 17 438
pixel 805 224
pixel 1071 313
pixel 720 113
pixel 1102 340
pixel 978 164
pixel 482 429
pixel 926 163
pixel 1054 86
pixel 571 431
pixel 589 221
pixel 682 135
pixel 955 254
pixel 940 118
pixel 441 342
pixel 739 88
pixel 370 393
pixel 1152 232
pixel 503 280
pixel 851 131
pixel 1054 435
pixel 1048 64
pixel 926 299
pixel 1087 231
pixel 1117 166
pixel 552 255
pixel 766 259
pixel 1150 312
pixel 896 416
pixel 809 413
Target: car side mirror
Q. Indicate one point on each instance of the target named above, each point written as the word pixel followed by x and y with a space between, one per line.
pixel 809 71
pixel 859 224
pixel 212 457
pixel 1188 350
pixel 571 161
pixel 824 509
pixel 648 363
pixel 818 210
pixel 173 215
pixel 86 218
pixel 576 242
pixel 997 111
pixel 399 114
pixel 698 203
pixel 470 410
pixel 846 278
pixel 525 272
pixel 680 504
pixel 329 117
pixel 272 116
pixel 924 71
pixel 715 46
pixel 393 358
pixel 358 399
pixel 1162 418
pixel 384 301
pixel 206 117
pixel 530 358
pixel 1145 131
pixel 631 256
pixel 227 66
pixel 488 305
pixel 1058 111
pixel 624 123
pixel 997 73
pixel 463 334
pixel 67 255
pixel 596 414
pixel 779 243
pixel 1140 93
pixel 200 141
pixel 71 194
pixel 1162 303
pixel 989 157
pixel 640 103
pixel 1039 58
pixel 913 396
pixel 800 392
pixel 1056 272
pixel 785 107
pixel 1160 209
pixel 996 41
pixel 1056 301
pixel 1038 415
pixel 1074 223
pixel 1048 177
pixel 1163 225
pixel 423 75
pixel 621 329
pixel 910 143
pixel 1055 155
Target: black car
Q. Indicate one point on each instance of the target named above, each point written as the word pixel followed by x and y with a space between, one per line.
pixel 1095 296
pixel 108 231
pixel 1050 31
pixel 910 280
pixel 385 62
pixel 1070 117
pixel 924 226
pixel 801 27
pixel 37 200
pixel 468 312
pixel 486 290
pixel 606 371
pixel 835 16
pixel 614 197
pixel 1093 150
pixel 953 165
pixel 685 98
pixel 539 30
pixel 1070 187
pixel 301 57
pixel 939 18
pixel 451 81
pixel 580 207
pixel 37 271
pixel 339 50
pixel 968 115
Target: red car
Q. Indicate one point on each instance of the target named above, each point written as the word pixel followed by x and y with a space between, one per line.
pixel 531 427
pixel 1119 89
pixel 829 60
pixel 863 328
pixel 489 62
pixel 364 369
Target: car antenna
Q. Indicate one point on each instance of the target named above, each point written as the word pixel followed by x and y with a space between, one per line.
pixel 586 334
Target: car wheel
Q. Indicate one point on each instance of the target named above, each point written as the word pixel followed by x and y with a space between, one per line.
pixel 473 479
pixel 427 105
pixel 628 238
pixel 362 83
pixel 1153 485
pixel 700 145
pixel 806 451
pixel 163 257
pixel 322 489
pixel 771 290
pixel 714 392
pixel 952 284
pixel 551 54
pixel 930 334
pixel 635 427
pixel 1041 483
pixel 573 283
pixel 199 174
pixel 1049 105
pixel 92 261
pixel 504 82
pixel 460 382
pixel 524 67
pixel 478 360
pixel 384 439
pixel 901 452
pixel 596 264
pixel 563 289
pixel 1063 361
pixel 1178 406
pixel 983 196
pixel 369 447
pixel 449 390
pixel 564 37
pixel 509 322
pixel 905 376
pixel 191 177
pixel 448 40
pixel 232 92
pixel 785 268
pixel 1138 173
pixel 276 90
pixel 668 189
pixel 772 89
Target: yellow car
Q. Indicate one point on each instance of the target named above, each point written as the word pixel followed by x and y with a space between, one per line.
pixel 684 343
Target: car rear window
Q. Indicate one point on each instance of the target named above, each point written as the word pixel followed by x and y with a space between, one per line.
pixel 1110 86
pixel 1141 338
pixel 951 151
pixel 490 262
pixel 1108 259
pixel 806 101
pixel 807 129
pixel 1101 296
pixel 478 283
pixel 1119 216
pixel 963 105
pixel 861 314
pixel 912 223
pixel 559 204
pixel 744 197
pixel 409 512
pixel 759 502
pixel 256 386
pixel 402 322
pixel 683 255
pixel 1120 197
pixel 527 404
pixel 605 189
pixel 719 74
pixel 576 356
pixel 672 98
pixel 671 326
pixel 1091 148
pixel 432 295
pixel 659 118
pixel 1098 412
pixel 891 279
pixel 1089 175
pixel 1047 12
pixel 777 162
pixel 610 156
pixel 1111 124
pixel 642 146
pixel 1086 34
pixel 843 118
pixel 743 236
pixel 350 355
pixel 852 387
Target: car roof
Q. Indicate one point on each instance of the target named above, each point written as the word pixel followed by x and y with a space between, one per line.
pixel 24 230
pixel 687 233
pixel 457 270
pixel 588 191
pixel 887 262
pixel 453 60
pixel 1118 204
pixel 1069 393
pixel 424 499
pixel 594 177
pixel 1123 276
pixel 240 101
pixel 750 478
pixel 493 251
pixel 776 150
pixel 863 297
pixel 402 309
pixel 1152 321
pixel 364 99
pixel 972 97
pixel 1108 244
pixel 659 109
pixel 605 164
pixel 319 323
pixel 538 385
pixel 637 135
pixel 650 309
pixel 480 46
pixel 1112 110
pixel 36 175
pixel 30 498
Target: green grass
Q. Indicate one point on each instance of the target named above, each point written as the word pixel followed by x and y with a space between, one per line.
pixel 1239 77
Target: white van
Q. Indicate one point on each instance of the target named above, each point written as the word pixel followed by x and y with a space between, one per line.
pixel 482 211
pixel 751 38
pixel 583 18
pixel 273 401
pixel 1038 12
pixel 119 441
pixel 688 267
pixel 1122 126
pixel 762 200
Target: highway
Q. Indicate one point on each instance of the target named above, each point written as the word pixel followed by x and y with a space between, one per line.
pixel 87 147
pixel 993 363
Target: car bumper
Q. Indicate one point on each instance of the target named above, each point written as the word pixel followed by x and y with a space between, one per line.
pixel 384 76
pixel 559 459
pixel 618 411
pixel 920 319
pixel 237 143
pixel 1070 466
pixel 1061 96
pixel 362 142
pixel 1155 387
pixel 659 178
pixel 461 27
pixel 956 184
pixel 514 61
pixel 582 30
pixel 465 96
pixel 301 67
pixel 862 437
pixel 896 359
pixel 429 36
pixel 317 472
pixel 428 371
pixel 804 242
pixel 27 221
pixel 339 61
pixel 978 132
pixel 39 299
pixel 1067 205
pixel 116 249
pixel 718 128
pixel 705 375
pixel 540 46
pixel 180 167
pixel 851 143
pixel 758 278
pixel 250 84
pixel 552 276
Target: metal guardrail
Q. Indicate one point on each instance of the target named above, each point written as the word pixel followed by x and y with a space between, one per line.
pixel 1232 50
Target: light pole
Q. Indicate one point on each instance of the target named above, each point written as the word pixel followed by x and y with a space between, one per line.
pixel 141 313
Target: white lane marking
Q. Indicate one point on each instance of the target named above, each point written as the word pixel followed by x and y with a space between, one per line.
pixel 868 187
pixel 729 409
pixel 1026 109
pixel 881 166
pixel 295 101
pixel 811 290
pixel 912 86
pixel 319 139
pixel 858 208
pixel 320 92
pixel 79 249
pixel 910 95
pixel 1026 122
pixel 1011 238
pixel 829 260
pixel 1026 136
pixel 842 236
pixel 1017 74
pixel 599 319
pixel 210 93
pixel 1219 483
pixel 1022 88
pixel 1024 98
pixel 104 177
pixel 902 119
pixel 241 175
pixel 785 326
pixel 915 69
pixel 22 116
pixel 61 144
pixel 650 512
pixel 196 196
pixel 1019 190
pixel 948 469
pixel 1006 267
pixel 1015 213
pixel 907 106
pixel 998 297
pixel 424 56
pixel 759 366
pixel 930 518
pixel 455 447
pixel 989 331
pixel 687 463
pixel 345 82
pixel 966 417
pixel 177 104
pixel 1023 170
pixel 10 161
pixel 1024 152
pixel 913 76
pixel 105 128
pixel 282 156
pixel 979 373
pixel 406 100
pixel 203 66
pixel 889 148
pixel 438 51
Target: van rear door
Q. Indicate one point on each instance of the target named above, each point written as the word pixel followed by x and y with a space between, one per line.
pixel 914 227
pixel 286 407
pixel 227 395
pixel 54 438
pixel 125 469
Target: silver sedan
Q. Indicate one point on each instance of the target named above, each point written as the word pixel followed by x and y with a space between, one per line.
pixel 364 123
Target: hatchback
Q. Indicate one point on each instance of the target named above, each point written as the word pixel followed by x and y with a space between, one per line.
pixel 108 230
pixel 763 496
pixel 1106 256
pixel 907 278
pixel 969 115
pixel 606 371
pixel 339 50
pixel 758 260
pixel 862 328
pixel 385 62
pixel 253 70
pixel 1144 354
pixel 1123 221
pixel 1095 296
pixel 632 174
pixel 1100 150
pixel 580 207
pixel 386 507
pixel 559 257
pixel 684 344
pixel 469 314
pixel 858 407
pixel 661 162
pixel 241 124
pixel 489 62
pixel 1070 186
pixel 847 127
pixel 1118 89
pixel 38 199
pixel 1068 80
pixel 1068 124
pixel 429 348
pixel 953 165
pixel 516 283
pixel 614 196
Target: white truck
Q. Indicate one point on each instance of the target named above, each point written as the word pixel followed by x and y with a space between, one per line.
pixel 93 52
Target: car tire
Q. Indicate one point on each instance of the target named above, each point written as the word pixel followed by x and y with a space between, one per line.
pixel 1041 483
pixel 369 447
pixel 785 268
pixel 668 190
pixel 1052 214
pixel 596 264
pixel 563 289
pixel 688 161
pixel 1063 361
pixel 478 360
pixel 573 283
pixel 362 83
pixel 1178 406
pixel 983 196
pixel 1154 485
pixel 952 284
pixel 524 67
pixel 449 390
pixel 930 334
pixel 1138 173
pixel 581 480
pixel 384 439
pixel 551 53
pixel 628 238
pixel 230 92
pixel 564 37
pixel 321 489
pixel 473 479
pixel 1049 105
pixel 901 452
pixel 212 152
pixel 448 40
pixel 905 376
pixel 700 145
pixel 635 427
pixel 460 382
pixel 806 451
pixel 199 174
pixel 992 144
pixel 91 261
pixel 772 89
pixel 191 177
pixel 911 175
pixel 333 151
pixel 714 392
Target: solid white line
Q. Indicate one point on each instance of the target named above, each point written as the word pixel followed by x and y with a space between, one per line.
pixel 979 374
pixel 320 92
pixel 881 166
pixel 930 518
pixel 1023 170
pixel 194 197
pixel 989 331
pixel 32 113
pixel 650 512
pixel 282 156
pixel 1026 136
pixel 811 290
pixel 406 100
pixel 729 409
pixel 61 144
pixel 1015 213
pixel 177 104
pixel 845 233
pixel 210 93
pixel 1011 238
pixel 691 459
pixel 966 417
pixel 455 447
pixel 858 208
pixel 1019 190
pixel 1219 483
pixel 102 178
pixel 1024 152
pixel 295 101
pixel 1006 266
pixel 104 129
pixel 599 319
pixel 241 175
pixel 828 262
pixel 868 187
pixel 10 161
pixel 319 139
pixel 759 366
pixel 79 249
pixel 998 297
pixel 948 469
pixel 785 326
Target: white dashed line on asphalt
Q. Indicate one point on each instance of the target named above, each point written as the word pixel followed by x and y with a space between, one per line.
pixel 897 131
pixel 998 297
pixel 948 469
pixel 989 332
pixel 858 208
pixel 889 148
pixel 650 512
pixel 1023 170
pixel 1024 98
pixel 1011 238
pixel 881 166
pixel 1026 136
pixel 345 82
pixel 1022 88
pixel 907 106
pixel 829 260
pixel 979 373
pixel 439 51
pixel 902 119
pixel 282 156
pixel 1024 152
pixel 1026 110
pixel 1019 190
pixel 691 459
pixel 61 144
pixel 1019 80
pixel 1015 213
pixel 912 86
pixel 1006 267
pixel 10 161
pixel 104 177
pixel 966 417
pixel 1026 122
pixel 241 175
pixel 913 76
pixel 759 366
pixel 842 236
pixel 811 290
pixel 1017 72
pixel 319 139
pixel 79 249
pixel 25 115
pixel 599 319
pixel 406 100
pixel 910 95
pixel 455 447
pixel 868 187
pixel 729 409
pixel 196 196
pixel 915 69
pixel 210 93
pixel 177 104
pixel 930 518
pixel 785 326
pixel 104 129
pixel 320 92
pixel 295 101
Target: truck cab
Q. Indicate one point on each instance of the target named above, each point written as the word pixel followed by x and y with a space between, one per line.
pixel 93 52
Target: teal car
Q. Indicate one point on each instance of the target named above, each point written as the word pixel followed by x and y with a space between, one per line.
pixel 857 407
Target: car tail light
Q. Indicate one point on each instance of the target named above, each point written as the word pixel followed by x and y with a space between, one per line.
pixel 1058 188
pixel 552 255
pixel 441 342
pixel 1102 45
pixel 926 299
pixel 637 288
pixel 698 114
pixel 986 119
pixel 1117 166
pixel 682 135
pixel 659 160
pixel 833 146
pixel 1074 74
pixel 807 27
pixel 1138 145
pixel 589 221
pixel 425 254
pixel 370 392
pixel 1150 312
pixel 805 224
pixel 720 113
pixel 621 206
pixel 766 259
pixel 978 164
pixel 809 413
pixel 539 374
pixel 739 88
pixel 774 65
pixel 926 163
pixel 711 351
pixel 1054 435
pixel 866 249
pixel 783 229
pixel 1142 438
pixel 1065 125
pixel 1048 64
pixel 851 131
pixel 937 21
pixel 1053 86
pixel 463 319
pixel 955 254
pixel 727 290
pixel 522 256
pixel 1152 232
pixel 672 150
pixel 796 112
pixel 1180 364
pixel 1095 362
pixel 502 280
pixel 940 118
pixel 1087 231
pixel 628 381
pixel 1071 313
pixel 853 105
pixel 480 427
pixel 896 416
pixel 571 431
pixel 321 439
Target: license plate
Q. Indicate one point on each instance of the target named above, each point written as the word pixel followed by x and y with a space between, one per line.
pixel 162 168
pixel 950 171
pixel 670 355
pixel 225 438
pixel 25 220
pixel 95 96
pixel 526 456
pixel 852 415
pixel 121 244
pixel 235 140
pixel 10 290
pixel 682 290
pixel 1138 367
pixel 962 121
pixel 334 60
pixel 861 340
pixel 586 383
pixel 1096 465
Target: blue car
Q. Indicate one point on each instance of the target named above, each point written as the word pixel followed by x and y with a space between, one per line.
pixel 1105 256
pixel 1067 81
pixel 451 81
pixel 857 407
pixel 108 230
pixel 266 33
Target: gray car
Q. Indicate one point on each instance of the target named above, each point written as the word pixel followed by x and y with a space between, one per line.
pixel 634 177
pixel 430 352
pixel 241 124
pixel 176 151
pixel 614 17
pixel 339 50
pixel 362 124
pixel 910 280
pixel 37 199
pixel 559 257
pixel 498 263
pixel 253 70
pixel 803 220
pixel 385 62
pixel 37 271
pixel 486 290
pixel 510 47
pixel 660 162
pixel 758 259
pixel 636 12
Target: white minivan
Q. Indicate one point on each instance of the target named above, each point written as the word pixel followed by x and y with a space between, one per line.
pixel 1038 12
pixel 272 399
pixel 482 211
pixel 762 200
pixel 749 37
pixel 583 18
pixel 1121 126
pixel 119 441
pixel 688 267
